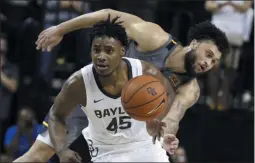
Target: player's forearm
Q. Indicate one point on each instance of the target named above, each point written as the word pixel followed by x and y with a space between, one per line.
pixel 174 116
pixel 172 120
pixel 90 19
pixel 172 126
pixel 186 97
pixel 83 21
pixel 86 20
pixel 58 131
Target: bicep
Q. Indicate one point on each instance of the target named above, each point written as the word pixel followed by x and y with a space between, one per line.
pixel 71 94
pixel 148 35
pixel 64 102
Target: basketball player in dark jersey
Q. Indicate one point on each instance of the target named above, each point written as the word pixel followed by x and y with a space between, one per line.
pixel 149 42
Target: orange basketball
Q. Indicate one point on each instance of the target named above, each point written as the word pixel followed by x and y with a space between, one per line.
pixel 144 98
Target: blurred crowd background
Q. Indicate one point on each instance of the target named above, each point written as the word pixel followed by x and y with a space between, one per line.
pixel 218 128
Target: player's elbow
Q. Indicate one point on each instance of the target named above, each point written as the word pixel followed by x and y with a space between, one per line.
pixel 55 116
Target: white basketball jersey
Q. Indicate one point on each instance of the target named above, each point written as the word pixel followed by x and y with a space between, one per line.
pixel 110 127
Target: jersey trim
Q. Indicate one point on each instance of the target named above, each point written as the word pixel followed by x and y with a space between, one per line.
pixel 130 75
pixel 45 124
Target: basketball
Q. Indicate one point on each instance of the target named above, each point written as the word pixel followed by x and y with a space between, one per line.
pixel 144 98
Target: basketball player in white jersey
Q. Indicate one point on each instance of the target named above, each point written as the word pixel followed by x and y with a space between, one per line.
pixel 112 135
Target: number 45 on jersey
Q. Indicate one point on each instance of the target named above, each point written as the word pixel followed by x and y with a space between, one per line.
pixel 121 123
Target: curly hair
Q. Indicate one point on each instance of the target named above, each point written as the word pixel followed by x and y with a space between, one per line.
pixel 207 31
pixel 111 29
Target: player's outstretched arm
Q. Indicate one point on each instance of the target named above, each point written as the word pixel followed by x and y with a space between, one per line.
pixel 72 93
pixel 150 39
pixel 155 127
pixel 187 95
pixel 50 37
pixel 88 20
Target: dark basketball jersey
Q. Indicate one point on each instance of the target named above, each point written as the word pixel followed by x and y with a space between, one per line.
pixel 158 58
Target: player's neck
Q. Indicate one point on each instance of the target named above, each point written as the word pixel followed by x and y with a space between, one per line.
pixel 176 61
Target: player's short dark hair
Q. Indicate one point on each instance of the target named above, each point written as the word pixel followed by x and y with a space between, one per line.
pixel 207 31
pixel 111 29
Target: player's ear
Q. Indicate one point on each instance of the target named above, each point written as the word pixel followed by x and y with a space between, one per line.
pixel 194 44
pixel 123 51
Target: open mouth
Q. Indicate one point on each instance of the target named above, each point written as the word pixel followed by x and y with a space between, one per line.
pixel 102 67
pixel 201 67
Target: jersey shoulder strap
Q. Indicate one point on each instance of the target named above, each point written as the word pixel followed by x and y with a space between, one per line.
pixel 135 65
pixel 88 78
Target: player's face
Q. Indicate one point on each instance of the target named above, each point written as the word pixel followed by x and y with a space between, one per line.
pixel 202 57
pixel 106 54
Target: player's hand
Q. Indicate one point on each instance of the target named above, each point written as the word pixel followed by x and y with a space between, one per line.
pixel 155 129
pixel 49 38
pixel 170 143
pixel 69 156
